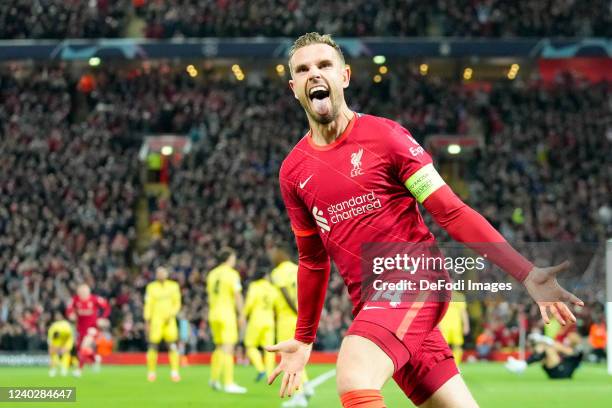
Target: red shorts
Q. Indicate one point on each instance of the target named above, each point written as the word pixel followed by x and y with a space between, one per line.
pixel 410 337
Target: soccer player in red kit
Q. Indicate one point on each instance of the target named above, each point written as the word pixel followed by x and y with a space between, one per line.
pixel 356 178
pixel 86 309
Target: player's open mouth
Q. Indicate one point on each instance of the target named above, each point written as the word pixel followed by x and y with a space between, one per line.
pixel 318 92
pixel 319 95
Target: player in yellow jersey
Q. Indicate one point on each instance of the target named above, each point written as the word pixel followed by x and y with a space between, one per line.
pixel 456 324
pixel 284 278
pixel 225 304
pixel 60 341
pixel 162 304
pixel 259 310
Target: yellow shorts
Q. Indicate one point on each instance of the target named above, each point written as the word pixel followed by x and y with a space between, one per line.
pixel 258 335
pixel 285 328
pixel 452 334
pixel 163 329
pixel 224 331
pixel 65 345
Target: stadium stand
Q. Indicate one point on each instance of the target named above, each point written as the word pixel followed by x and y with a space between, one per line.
pixel 273 18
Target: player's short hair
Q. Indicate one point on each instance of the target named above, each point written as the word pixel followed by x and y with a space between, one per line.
pixel 314 38
pixel 225 253
pixel 262 269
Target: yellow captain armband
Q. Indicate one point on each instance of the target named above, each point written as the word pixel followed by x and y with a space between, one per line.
pixel 424 182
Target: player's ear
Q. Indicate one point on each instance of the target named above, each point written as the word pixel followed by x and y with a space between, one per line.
pixel 292 86
pixel 346 75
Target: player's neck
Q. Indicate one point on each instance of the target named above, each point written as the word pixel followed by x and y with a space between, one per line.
pixel 324 134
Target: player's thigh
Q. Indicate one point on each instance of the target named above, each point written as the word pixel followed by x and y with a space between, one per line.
pixel 226 332
pixel 452 394
pixel 267 336
pixel 429 366
pixel 285 328
pixel 453 336
pixel 252 334
pixel 155 331
pixel 215 330
pixel 170 331
pixel 362 364
pixel 284 333
pixel 54 347
pixel 67 346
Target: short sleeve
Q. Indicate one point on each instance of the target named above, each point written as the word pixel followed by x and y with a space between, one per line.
pixel 411 164
pixel 302 223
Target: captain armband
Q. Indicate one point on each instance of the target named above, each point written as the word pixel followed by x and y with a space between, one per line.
pixel 424 182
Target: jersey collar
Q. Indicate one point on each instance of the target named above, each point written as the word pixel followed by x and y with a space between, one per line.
pixel 336 142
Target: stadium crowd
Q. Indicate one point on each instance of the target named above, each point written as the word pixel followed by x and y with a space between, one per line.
pixel 273 18
pixel 53 19
pixel 465 18
pixel 69 183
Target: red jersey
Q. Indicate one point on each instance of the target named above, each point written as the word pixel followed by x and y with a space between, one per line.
pixel 88 311
pixel 352 191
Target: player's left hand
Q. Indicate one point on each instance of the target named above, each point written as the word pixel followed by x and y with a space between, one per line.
pixel 542 285
pixel 294 356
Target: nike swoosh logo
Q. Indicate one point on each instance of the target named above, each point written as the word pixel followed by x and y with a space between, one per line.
pixel 303 184
pixel 372 307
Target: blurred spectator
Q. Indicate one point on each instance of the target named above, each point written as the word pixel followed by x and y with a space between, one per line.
pixel 484 343
pixel 598 339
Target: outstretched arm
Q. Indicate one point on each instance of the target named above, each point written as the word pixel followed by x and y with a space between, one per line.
pixel 313 274
pixel 465 225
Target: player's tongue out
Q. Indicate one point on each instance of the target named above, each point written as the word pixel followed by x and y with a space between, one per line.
pixel 322 106
pixel 321 102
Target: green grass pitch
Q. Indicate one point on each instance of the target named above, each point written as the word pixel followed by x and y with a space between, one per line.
pixel 126 386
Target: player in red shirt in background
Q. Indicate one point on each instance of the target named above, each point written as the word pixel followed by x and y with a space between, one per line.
pixel 86 309
pixel 356 178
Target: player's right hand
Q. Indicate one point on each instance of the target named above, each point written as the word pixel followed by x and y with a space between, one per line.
pixel 542 285
pixel 294 356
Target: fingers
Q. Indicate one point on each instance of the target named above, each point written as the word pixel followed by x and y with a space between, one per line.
pixel 294 383
pixel 297 383
pixel 559 310
pixel 555 311
pixel 291 385
pixel 565 312
pixel 284 384
pixel 570 297
pixel 274 374
pixel 272 349
pixel 544 314
pixel 563 266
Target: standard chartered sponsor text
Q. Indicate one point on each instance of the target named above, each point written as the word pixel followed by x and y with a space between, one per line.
pixel 356 205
